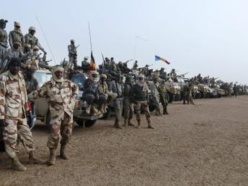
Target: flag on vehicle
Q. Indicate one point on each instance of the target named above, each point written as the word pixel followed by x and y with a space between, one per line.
pixel 161 59
pixel 92 62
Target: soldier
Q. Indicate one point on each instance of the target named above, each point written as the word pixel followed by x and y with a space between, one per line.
pixel 140 96
pixel 116 86
pixel 163 96
pixel 155 94
pixel 187 94
pixel 127 103
pixel 61 94
pixel 32 40
pixel 92 95
pixel 31 81
pixel 35 58
pixel 135 65
pixel 13 98
pixel 15 52
pixel 3 40
pixel 105 95
pixel 72 49
pixel 16 36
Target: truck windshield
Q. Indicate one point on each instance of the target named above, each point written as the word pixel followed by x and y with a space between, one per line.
pixel 42 77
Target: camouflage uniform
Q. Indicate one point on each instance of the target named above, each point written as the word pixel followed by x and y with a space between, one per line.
pixel 32 40
pixel 104 92
pixel 61 94
pixel 163 95
pixel 116 86
pixel 3 40
pixel 155 97
pixel 16 36
pixel 140 94
pixel 127 103
pixel 72 49
pixel 13 103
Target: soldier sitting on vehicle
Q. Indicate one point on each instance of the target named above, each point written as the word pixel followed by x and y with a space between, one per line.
pixel 35 58
pixel 92 95
pixel 103 91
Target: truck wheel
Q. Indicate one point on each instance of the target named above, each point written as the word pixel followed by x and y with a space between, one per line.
pixel 86 123
pixel 47 120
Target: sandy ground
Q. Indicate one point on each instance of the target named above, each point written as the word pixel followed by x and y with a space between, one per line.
pixel 205 144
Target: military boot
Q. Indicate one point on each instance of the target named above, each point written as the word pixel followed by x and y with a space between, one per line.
pixel 149 125
pixel 52 157
pixel 88 109
pixel 165 111
pixel 138 123
pixel 33 159
pixel 125 123
pixel 16 165
pixel 62 152
pixel 130 123
pixel 117 125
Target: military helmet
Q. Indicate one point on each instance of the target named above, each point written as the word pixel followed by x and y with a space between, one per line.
pixel 17 24
pixel 103 76
pixel 72 41
pixel 32 28
pixel 3 21
pixel 36 47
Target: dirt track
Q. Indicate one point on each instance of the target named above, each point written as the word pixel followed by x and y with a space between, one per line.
pixel 205 144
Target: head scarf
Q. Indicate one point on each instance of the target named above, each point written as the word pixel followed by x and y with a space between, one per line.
pixel 56 69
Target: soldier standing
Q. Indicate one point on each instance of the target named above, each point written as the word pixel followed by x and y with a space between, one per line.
pixel 61 94
pixel 116 86
pixel 128 106
pixel 72 49
pixel 140 96
pixel 16 36
pixel 155 94
pixel 3 40
pixel 13 98
pixel 32 40
pixel 163 96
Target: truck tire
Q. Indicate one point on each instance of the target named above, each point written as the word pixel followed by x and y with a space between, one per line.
pixel 86 123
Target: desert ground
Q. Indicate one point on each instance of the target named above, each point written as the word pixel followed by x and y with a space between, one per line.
pixel 195 145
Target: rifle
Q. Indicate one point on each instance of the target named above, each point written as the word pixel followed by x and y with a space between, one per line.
pixel 126 62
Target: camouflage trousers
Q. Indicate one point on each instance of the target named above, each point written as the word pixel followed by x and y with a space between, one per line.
pixel 137 108
pixel 60 130
pixel 14 129
pixel 118 107
pixel 128 109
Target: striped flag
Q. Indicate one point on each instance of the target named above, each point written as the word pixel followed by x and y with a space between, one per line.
pixel 161 59
pixel 92 62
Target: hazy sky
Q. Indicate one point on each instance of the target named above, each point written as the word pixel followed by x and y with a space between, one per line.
pixel 197 36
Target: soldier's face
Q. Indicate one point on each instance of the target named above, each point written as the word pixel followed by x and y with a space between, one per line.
pixel 59 74
pixel 32 32
pixel 14 69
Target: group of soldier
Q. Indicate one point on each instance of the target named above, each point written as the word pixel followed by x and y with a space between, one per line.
pixel 16 44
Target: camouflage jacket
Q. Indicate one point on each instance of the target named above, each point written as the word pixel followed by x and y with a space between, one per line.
pixel 13 96
pixel 16 36
pixel 32 40
pixel 103 88
pixel 61 96
pixel 3 38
